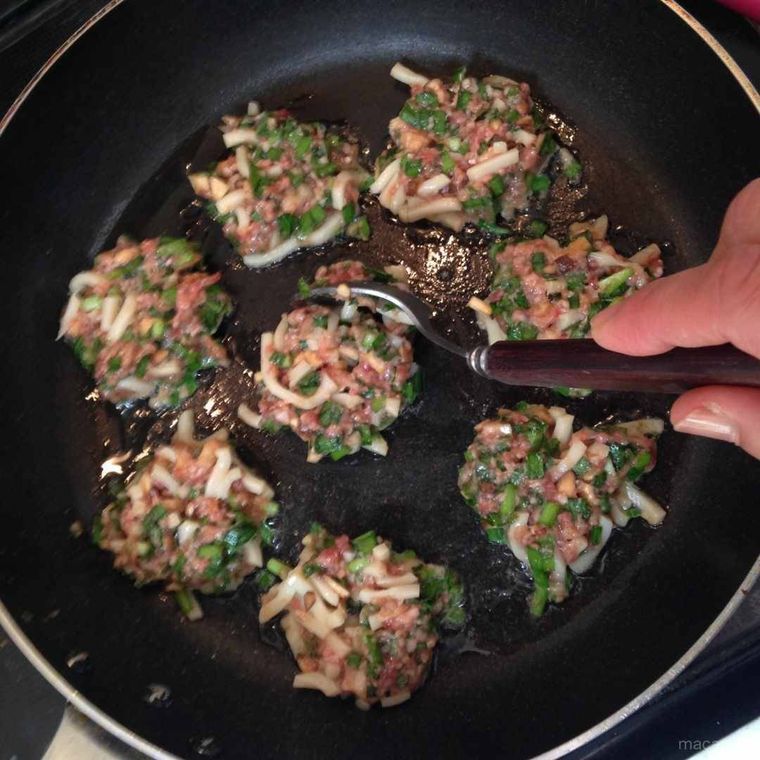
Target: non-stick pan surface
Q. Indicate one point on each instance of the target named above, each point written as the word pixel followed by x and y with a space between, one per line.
pixel 99 149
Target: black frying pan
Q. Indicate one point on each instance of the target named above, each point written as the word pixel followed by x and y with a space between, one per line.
pixel 98 148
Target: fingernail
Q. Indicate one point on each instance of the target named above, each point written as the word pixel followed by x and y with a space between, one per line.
pixel 709 421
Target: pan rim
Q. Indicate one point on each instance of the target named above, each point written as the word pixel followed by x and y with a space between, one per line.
pixel 134 740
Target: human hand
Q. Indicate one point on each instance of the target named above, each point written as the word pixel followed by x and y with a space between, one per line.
pixel 714 303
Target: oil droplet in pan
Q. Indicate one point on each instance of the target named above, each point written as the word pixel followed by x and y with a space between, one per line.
pixel 206 746
pixel 79 662
pixel 158 695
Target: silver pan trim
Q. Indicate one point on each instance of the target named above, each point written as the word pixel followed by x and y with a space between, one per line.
pixel 129 737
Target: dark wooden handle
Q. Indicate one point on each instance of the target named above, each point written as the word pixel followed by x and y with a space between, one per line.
pixel 584 364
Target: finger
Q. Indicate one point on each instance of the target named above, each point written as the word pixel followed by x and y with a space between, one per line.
pixel 721 412
pixel 680 310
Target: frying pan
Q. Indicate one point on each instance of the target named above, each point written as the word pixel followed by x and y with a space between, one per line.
pixel 98 147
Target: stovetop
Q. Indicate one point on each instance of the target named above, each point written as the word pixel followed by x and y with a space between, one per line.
pixel 716 695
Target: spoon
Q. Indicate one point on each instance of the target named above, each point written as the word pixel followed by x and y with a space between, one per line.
pixel 572 363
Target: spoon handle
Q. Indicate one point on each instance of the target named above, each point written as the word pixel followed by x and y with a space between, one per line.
pixel 585 364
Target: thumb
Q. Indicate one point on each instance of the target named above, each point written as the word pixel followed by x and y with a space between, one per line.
pixel 728 414
pixel 711 304
pixel 680 310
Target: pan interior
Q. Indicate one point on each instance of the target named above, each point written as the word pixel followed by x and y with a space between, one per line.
pixel 122 138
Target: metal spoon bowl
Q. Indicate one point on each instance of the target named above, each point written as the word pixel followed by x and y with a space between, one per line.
pixel 571 363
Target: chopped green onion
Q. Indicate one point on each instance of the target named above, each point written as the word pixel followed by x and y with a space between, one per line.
pixel 639 464
pixel 496 535
pixel 302 146
pixel 359 228
pixel 538 601
pixel 280 569
pixel 170 296
pixel 330 414
pixel 326 445
pixel 213 311
pixel 615 284
pixel 496 185
pixel 212 551
pixel 538 183
pixel 412 387
pixel 91 302
pixel 579 508
pixel 447 163
pixel 309 384
pixel 549 145
pixel 348 212
pixel 536 563
pixel 376 661
pixel 463 100
pixel 365 543
pixel 238 535
pixel 573 170
pixel 549 513
pixel 522 331
pixel 575 281
pixel 142 367
pixel 508 501
pixel 419 119
pixel 538 261
pixel 265 580
pixel 280 360
pixel 367 436
pixel 338 454
pixel 595 535
pixel 427 99
pixel 310 568
pixel 188 604
pixel 481 202
pixel 620 453
pixel 325 170
pixel 439 122
pixel 411 166
pixel 582 466
pixel 534 465
pixel 287 223
pixel 357 565
pixel 492 228
pixel 537 228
